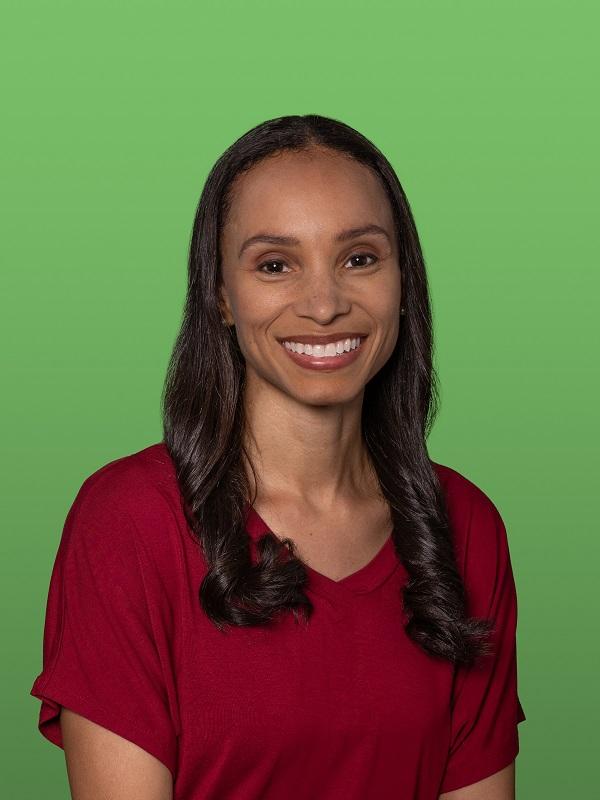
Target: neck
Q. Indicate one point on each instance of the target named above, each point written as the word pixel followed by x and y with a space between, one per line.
pixel 311 454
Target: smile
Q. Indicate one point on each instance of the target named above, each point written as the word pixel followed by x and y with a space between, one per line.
pixel 333 355
pixel 324 350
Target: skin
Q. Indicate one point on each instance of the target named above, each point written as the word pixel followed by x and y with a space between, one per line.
pixel 499 786
pixel 303 427
pixel 104 766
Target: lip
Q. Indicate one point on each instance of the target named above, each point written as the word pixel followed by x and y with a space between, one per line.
pixel 328 339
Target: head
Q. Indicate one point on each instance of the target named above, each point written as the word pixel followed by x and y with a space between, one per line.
pixel 308 179
pixel 308 251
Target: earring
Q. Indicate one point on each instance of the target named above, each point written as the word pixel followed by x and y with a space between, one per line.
pixel 402 311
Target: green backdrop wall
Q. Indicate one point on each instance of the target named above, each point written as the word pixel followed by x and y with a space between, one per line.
pixel 113 115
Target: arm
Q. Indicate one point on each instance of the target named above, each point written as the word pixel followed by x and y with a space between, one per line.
pixel 107 647
pixel 104 766
pixel 499 786
pixel 485 707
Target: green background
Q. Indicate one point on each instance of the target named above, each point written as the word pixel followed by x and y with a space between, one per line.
pixel 113 115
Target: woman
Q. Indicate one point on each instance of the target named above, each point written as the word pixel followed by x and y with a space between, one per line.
pixel 286 598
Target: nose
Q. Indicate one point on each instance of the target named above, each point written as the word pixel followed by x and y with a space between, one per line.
pixel 321 297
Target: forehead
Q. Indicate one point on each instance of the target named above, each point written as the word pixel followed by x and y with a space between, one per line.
pixel 304 194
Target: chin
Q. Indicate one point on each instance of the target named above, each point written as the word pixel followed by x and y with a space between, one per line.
pixel 328 397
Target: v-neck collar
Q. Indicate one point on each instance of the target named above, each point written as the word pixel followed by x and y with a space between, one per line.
pixel 362 581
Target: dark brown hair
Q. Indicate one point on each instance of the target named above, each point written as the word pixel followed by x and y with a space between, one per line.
pixel 203 423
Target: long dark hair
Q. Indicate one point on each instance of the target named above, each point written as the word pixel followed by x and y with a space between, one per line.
pixel 203 423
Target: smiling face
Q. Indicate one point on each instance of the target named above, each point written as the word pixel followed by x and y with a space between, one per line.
pixel 309 253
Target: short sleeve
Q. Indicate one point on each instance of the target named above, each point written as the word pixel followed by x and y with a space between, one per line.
pixel 486 708
pixel 105 654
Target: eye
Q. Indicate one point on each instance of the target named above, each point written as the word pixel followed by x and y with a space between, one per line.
pixel 364 255
pixel 268 264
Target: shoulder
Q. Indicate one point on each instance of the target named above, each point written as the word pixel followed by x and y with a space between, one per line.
pixel 131 506
pixel 130 480
pixel 465 500
pixel 478 529
pixel 460 490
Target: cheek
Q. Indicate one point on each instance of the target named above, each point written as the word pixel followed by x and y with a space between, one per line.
pixel 386 293
pixel 248 313
pixel 255 306
pixel 254 302
pixel 251 324
pixel 387 309
pixel 388 317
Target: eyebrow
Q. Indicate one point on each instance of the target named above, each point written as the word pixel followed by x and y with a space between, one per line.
pixel 343 236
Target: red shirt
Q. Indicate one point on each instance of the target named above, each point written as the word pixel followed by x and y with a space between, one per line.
pixel 344 706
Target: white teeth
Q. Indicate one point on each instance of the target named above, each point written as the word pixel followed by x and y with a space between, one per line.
pixel 330 350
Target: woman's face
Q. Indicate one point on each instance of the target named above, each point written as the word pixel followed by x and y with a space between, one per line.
pixel 314 278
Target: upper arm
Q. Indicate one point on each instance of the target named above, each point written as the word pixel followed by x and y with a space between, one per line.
pixel 485 706
pixel 102 765
pixel 499 786
pixel 109 636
